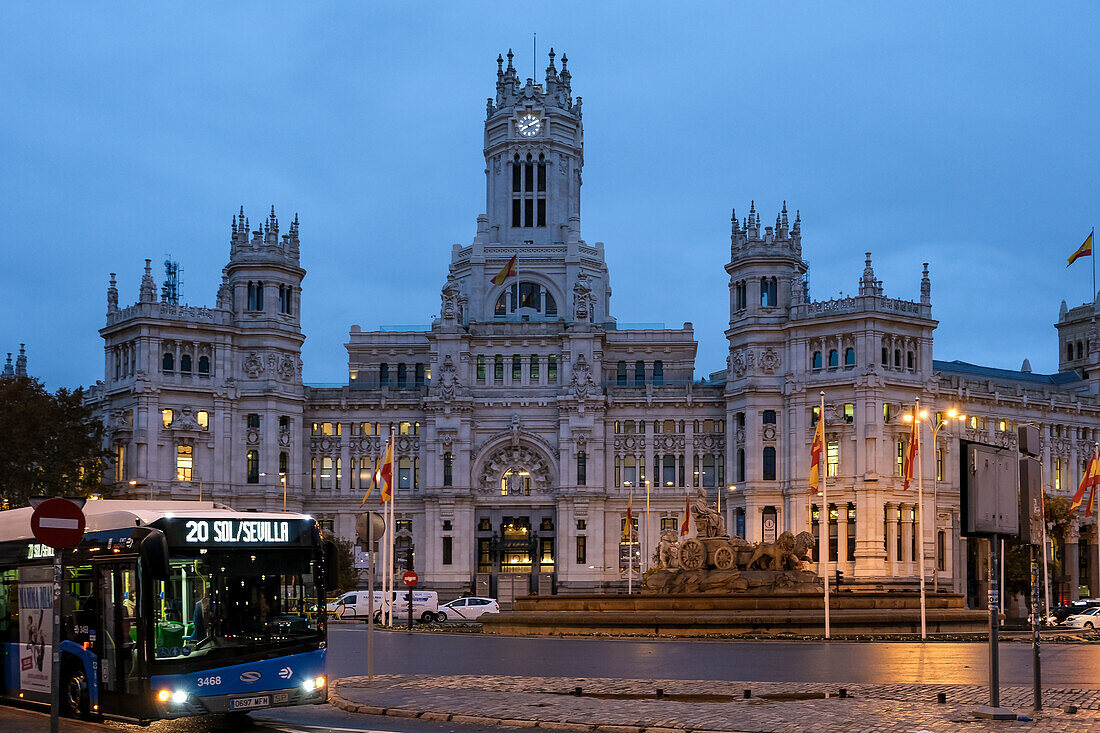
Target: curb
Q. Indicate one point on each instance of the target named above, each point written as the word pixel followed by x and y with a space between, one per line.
pixel 339 701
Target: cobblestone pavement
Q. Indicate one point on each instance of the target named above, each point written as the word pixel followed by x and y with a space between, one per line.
pixel 545 702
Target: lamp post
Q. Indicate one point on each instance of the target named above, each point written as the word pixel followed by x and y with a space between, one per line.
pixel 952 414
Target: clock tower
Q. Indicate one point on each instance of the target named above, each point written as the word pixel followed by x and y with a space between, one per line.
pixel 534 152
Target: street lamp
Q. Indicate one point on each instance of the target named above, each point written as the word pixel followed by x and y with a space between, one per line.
pixel 952 414
pixel 922 416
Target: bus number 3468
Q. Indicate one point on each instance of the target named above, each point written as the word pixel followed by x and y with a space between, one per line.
pixel 207 681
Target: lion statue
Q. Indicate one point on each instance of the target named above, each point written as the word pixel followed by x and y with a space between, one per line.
pixel 781 553
pixel 668 549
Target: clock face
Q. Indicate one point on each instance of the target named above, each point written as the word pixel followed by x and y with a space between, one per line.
pixel 528 125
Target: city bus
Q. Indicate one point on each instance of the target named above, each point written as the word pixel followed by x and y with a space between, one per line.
pixel 169 609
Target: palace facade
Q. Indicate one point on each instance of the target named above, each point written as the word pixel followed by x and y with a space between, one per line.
pixel 526 416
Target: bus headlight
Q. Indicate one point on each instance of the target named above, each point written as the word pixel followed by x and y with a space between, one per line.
pixel 164 696
pixel 179 697
pixel 309 685
pixel 320 681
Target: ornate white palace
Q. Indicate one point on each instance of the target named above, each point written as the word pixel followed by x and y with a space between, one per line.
pixel 525 415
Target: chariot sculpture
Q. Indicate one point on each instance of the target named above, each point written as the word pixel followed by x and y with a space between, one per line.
pixel 712 558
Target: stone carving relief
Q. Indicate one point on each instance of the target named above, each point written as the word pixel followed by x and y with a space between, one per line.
pixel 741 362
pixel 709 442
pixel 449 295
pixel 286 368
pixel 185 420
pixel 253 437
pixel 668 443
pixel 769 432
pixel 582 384
pixel 629 443
pixel 448 380
pixel 253 365
pixel 582 299
pixel 769 360
pixel 515 457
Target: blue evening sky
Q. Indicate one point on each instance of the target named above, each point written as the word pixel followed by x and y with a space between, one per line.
pixel 959 134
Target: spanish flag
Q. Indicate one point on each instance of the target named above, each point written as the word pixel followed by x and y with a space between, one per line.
pixel 385 473
pixel 816 449
pixel 628 528
pixel 911 454
pixel 1085 250
pixel 506 272
pixel 1089 483
pixel 685 526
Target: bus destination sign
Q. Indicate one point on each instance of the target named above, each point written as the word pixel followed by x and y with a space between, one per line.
pixel 246 532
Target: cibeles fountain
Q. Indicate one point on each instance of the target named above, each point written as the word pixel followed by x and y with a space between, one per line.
pixel 707 582
pixel 710 561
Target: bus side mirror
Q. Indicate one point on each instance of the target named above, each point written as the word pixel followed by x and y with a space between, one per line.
pixel 332 560
pixel 153 549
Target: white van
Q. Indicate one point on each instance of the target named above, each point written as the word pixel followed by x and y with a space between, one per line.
pixel 355 605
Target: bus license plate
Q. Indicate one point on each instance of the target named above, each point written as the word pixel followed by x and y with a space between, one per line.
pixel 243 703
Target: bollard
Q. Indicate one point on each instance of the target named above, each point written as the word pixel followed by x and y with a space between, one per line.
pixel 1070 709
pixel 660 694
pixel 748 694
pixel 941 698
pixel 843 692
pixel 577 691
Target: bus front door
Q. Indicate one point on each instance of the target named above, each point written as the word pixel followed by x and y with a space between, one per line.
pixel 120 641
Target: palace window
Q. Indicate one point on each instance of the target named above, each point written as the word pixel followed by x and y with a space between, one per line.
pixel 851 532
pixel 769 463
pixel 901 458
pixel 815 415
pixel 897 358
pixel 817 360
pixel 254 420
pixel 184 462
pixel 285 299
pixel 529 191
pixel 517 370
pixel 740 464
pixel 582 468
pixel 909 360
pixel 658 372
pixel 447 550
pixel 885 356
pixel 448 469
pixel 404 473
pixel 620 374
pixel 402 375
pixel 552 368
pixel 253 466
pixel 515 482
pixel 832 459
pixel 284 467
pixel 582 549
pixel 534 369
pixel 849 412
pixel 204 366
pixel 834 358
pixel 769 292
pixel 481 368
pixel 383 374
pixel 365 472
pixel 418 375
pixel 202 417
pixel 168 363
pixel 255 296
pixel 849 357
pixel 326 472
pixel 185 363
pixel 498 369
pixel 768 417
pixel 166 417
pixel 639 373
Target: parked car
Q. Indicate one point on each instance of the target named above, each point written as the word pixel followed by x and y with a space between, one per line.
pixel 1087 619
pixel 425 606
pixel 1061 613
pixel 469 608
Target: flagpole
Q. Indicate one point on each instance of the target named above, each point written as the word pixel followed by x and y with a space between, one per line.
pixel 823 515
pixel 394 477
pixel 1092 298
pixel 630 542
pixel 382 576
pixel 645 550
pixel 920 521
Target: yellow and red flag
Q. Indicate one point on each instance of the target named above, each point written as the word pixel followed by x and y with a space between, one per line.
pixel 1085 250
pixel 816 449
pixel 685 525
pixel 385 474
pixel 1089 483
pixel 911 453
pixel 506 272
pixel 628 530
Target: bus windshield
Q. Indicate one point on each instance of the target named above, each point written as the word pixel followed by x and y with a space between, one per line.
pixel 222 603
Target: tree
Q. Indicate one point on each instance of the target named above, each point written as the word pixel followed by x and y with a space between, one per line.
pixel 347 575
pixel 50 444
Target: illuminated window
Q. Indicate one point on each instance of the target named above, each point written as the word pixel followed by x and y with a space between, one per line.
pixel 515 482
pixel 901 458
pixel 939 464
pixel 253 467
pixel 326 472
pixel 849 412
pixel 184 462
pixel 166 417
pixel 202 417
pixel 832 459
pixel 582 549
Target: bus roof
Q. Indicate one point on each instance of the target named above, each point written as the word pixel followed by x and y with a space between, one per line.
pixel 105 514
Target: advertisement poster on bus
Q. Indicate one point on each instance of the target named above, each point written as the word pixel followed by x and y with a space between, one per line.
pixel 36 613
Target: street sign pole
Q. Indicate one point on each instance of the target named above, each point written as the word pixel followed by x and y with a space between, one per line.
pixel 994 624
pixel 1035 630
pixel 55 659
pixel 409 564
pixel 370 602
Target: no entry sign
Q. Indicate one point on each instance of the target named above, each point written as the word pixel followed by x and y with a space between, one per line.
pixel 409 578
pixel 58 523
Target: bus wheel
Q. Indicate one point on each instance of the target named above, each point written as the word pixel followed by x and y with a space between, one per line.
pixel 75 692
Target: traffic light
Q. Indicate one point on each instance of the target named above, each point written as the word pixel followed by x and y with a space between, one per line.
pixel 838 578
